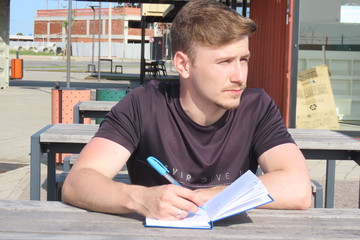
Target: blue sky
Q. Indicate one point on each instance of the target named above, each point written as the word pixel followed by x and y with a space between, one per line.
pixel 22 12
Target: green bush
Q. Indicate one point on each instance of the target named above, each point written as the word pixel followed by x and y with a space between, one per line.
pixel 28 52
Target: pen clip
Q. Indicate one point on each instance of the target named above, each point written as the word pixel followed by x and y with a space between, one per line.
pixel 157 165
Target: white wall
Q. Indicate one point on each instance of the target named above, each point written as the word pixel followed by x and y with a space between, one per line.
pixel 321 18
pixel 4 43
pixel 129 51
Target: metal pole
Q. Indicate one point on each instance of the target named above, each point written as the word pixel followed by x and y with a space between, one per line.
pixel 294 62
pixel 68 53
pixel 93 42
pixel 109 38
pixel 99 70
pixel 244 6
pixel 142 61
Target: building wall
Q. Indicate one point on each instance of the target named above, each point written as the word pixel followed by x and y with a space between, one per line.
pixel 4 43
pixel 320 23
pixel 48 25
pixel 40 27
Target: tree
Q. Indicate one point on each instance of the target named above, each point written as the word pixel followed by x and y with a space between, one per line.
pixel 65 25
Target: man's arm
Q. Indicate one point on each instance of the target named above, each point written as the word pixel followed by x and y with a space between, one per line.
pixel 286 177
pixel 89 185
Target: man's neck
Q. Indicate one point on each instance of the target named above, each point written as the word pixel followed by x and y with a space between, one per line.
pixel 202 114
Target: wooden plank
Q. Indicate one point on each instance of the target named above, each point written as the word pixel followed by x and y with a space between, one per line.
pixel 304 138
pixel 54 220
pixel 96 105
pixel 69 133
pixel 323 139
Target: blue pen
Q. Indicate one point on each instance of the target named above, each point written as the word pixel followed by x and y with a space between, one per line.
pixel 160 168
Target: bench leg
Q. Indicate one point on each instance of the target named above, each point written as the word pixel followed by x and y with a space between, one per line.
pixel 330 183
pixel 318 194
pixel 51 177
pixel 35 168
pixel 35 164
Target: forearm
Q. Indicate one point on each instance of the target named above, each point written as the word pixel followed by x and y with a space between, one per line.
pixel 208 193
pixel 91 190
pixel 289 190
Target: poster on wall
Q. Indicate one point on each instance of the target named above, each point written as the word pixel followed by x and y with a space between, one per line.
pixel 315 108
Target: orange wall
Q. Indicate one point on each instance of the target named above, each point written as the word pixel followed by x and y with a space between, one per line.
pixel 269 66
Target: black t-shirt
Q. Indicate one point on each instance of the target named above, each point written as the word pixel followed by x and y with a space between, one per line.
pixel 149 121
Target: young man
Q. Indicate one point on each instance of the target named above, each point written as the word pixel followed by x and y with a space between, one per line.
pixel 208 130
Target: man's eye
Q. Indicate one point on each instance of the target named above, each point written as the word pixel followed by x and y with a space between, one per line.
pixel 224 62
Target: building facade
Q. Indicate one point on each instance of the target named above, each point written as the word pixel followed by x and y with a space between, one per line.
pixel 121 24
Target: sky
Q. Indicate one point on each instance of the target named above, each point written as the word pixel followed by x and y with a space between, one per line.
pixel 22 12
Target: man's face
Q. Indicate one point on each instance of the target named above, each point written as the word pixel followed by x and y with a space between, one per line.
pixel 218 75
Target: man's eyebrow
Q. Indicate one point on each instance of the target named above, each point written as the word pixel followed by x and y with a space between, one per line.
pixel 248 55
pixel 222 58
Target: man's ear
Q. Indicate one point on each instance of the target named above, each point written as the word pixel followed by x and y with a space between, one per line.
pixel 182 63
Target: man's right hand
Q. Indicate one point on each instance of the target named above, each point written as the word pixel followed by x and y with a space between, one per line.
pixel 166 202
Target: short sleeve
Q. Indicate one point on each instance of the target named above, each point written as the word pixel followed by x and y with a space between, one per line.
pixel 270 130
pixel 127 119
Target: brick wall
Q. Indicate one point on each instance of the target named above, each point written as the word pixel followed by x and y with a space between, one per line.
pixel 40 27
pixel 80 25
pixel 55 27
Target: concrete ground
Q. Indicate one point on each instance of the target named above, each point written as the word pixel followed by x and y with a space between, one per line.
pixel 26 108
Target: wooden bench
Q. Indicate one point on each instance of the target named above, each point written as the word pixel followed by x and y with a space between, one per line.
pixel 69 161
pixel 71 138
pixel 119 66
pixel 108 60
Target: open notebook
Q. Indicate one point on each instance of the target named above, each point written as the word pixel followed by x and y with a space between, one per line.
pixel 245 193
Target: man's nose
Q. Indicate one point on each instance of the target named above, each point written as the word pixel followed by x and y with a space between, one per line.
pixel 239 72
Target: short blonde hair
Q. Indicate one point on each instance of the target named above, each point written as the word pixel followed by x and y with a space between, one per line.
pixel 207 23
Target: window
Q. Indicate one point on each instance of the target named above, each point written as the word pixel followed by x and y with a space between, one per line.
pixel 350 14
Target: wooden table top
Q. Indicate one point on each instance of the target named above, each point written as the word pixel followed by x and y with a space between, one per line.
pixel 55 220
pixel 305 138
pixel 96 105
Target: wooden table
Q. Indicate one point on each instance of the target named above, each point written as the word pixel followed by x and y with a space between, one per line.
pixel 52 139
pixel 55 220
pixel 92 109
pixel 71 138
pixel 330 146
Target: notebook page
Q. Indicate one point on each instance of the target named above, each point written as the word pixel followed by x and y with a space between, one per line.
pixel 193 220
pixel 242 185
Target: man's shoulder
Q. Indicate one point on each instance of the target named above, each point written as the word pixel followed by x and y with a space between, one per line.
pixel 254 91
pixel 157 87
pixel 253 94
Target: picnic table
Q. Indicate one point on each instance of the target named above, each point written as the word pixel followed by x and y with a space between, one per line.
pixel 71 138
pixel 91 109
pixel 155 67
pixel 56 220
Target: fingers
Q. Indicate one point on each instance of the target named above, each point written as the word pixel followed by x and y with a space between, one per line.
pixel 189 200
pixel 171 202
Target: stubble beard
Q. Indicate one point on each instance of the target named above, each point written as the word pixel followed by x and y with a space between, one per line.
pixel 233 104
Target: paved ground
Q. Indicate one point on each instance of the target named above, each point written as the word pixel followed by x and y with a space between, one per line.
pixel 26 108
